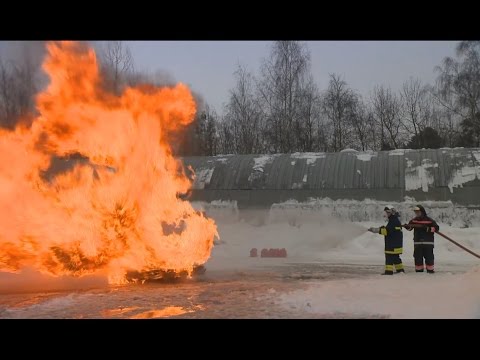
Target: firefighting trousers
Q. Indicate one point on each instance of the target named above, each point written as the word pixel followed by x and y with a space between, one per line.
pixel 393 261
pixel 421 252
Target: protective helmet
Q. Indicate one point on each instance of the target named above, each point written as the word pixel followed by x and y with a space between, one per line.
pixel 421 209
pixel 389 208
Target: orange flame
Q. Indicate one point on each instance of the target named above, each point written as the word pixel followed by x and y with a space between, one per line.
pixel 120 210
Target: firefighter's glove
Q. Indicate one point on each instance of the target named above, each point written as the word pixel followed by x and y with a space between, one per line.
pixel 382 230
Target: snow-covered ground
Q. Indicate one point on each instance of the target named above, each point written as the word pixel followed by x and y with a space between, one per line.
pixel 332 270
pixel 315 236
pixel 423 296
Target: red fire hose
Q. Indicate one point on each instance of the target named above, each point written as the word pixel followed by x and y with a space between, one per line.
pixel 460 246
pixel 446 237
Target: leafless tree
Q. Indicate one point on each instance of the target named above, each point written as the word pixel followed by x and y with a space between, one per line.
pixel 18 86
pixel 362 121
pixel 244 114
pixel 20 79
pixel 207 129
pixel 458 88
pixel 338 105
pixel 284 76
pixel 307 130
pixel 117 65
pixel 415 108
pixel 448 127
pixel 323 134
pixel 8 106
pixel 386 109
pixel 226 139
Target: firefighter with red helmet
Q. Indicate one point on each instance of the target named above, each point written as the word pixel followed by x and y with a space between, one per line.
pixel 424 229
pixel 393 241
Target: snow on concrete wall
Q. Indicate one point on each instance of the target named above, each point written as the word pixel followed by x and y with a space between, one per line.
pixel 444 212
pixel 370 210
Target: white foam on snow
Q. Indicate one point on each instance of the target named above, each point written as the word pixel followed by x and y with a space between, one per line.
pixel 329 233
pixel 320 232
pixel 317 237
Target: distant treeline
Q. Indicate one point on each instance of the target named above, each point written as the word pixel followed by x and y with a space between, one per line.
pixel 282 110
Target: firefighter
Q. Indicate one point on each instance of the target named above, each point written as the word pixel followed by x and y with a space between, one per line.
pixel 423 228
pixel 393 241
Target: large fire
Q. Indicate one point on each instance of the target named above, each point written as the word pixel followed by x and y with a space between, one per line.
pixel 116 212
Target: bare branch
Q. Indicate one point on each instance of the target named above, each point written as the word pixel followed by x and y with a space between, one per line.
pixel 117 65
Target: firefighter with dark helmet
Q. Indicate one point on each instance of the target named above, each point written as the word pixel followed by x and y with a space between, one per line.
pixel 424 229
pixel 393 241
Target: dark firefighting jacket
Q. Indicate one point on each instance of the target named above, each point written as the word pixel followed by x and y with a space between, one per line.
pixel 422 232
pixel 393 235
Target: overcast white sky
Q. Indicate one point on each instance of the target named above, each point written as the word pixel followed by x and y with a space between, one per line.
pixel 208 66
